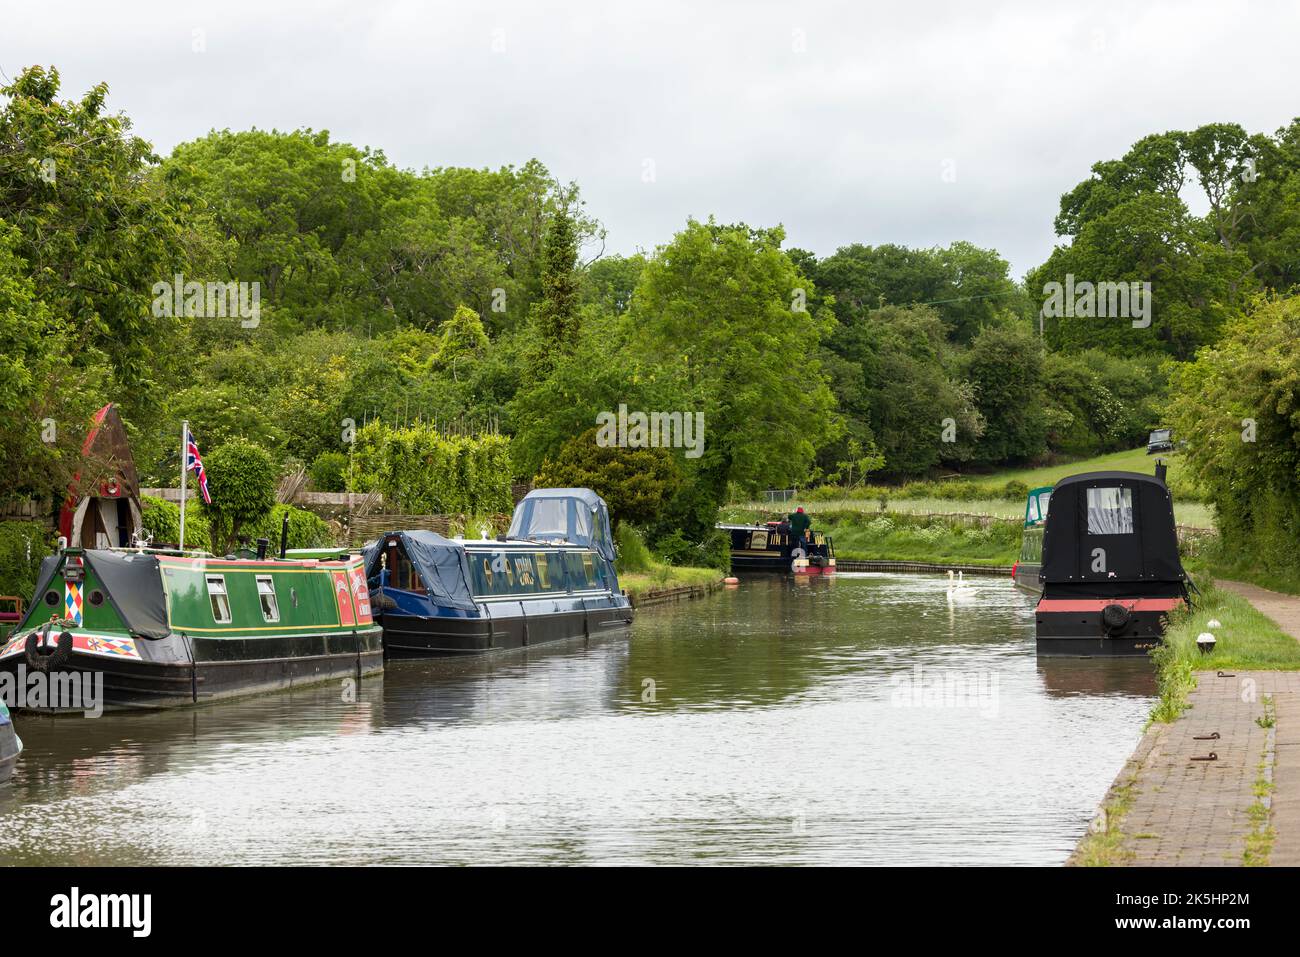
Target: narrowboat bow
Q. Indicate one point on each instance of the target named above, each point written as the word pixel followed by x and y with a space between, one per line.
pixel 551 578
pixel 1025 571
pixel 162 628
pixel 11 746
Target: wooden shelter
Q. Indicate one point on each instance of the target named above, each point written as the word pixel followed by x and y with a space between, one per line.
pixel 102 509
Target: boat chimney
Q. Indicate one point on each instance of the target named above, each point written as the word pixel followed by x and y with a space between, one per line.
pixel 262 545
pixel 284 536
pixel 1161 469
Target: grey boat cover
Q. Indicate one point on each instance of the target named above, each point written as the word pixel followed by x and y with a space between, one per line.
pixel 442 564
pixel 132 582
pixel 576 515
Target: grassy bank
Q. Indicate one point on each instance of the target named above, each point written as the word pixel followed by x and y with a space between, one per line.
pixel 1001 494
pixel 641 572
pixel 903 537
pixel 1245 640
pixel 638 584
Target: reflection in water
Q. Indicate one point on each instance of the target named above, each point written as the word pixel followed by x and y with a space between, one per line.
pixel 861 720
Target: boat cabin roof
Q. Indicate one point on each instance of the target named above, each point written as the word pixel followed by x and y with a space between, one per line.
pixel 1111 528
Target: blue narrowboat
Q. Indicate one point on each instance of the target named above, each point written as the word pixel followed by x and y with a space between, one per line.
pixel 551 578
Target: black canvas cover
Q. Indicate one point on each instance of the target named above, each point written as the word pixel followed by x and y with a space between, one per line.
pixel 36 608
pixel 1110 528
pixel 442 564
pixel 133 583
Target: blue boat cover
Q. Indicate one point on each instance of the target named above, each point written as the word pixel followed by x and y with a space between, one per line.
pixel 442 564
pixel 576 515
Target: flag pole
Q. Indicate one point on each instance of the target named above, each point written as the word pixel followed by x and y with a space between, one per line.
pixel 185 431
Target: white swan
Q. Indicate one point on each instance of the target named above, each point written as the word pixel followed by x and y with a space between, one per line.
pixel 958 588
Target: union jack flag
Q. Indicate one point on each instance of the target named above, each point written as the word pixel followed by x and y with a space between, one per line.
pixel 193 463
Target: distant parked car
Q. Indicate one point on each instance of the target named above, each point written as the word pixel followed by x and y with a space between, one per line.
pixel 1161 440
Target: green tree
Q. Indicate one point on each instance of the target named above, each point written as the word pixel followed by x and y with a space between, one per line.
pixel 634 482
pixel 1238 408
pixel 721 313
pixel 1005 369
pixel 96 229
pixel 1128 223
pixel 43 399
pixel 242 481
pixel 556 321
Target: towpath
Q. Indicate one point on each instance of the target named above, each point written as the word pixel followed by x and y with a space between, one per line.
pixel 1241 807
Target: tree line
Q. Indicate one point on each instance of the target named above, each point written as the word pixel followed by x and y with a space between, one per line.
pixel 468 301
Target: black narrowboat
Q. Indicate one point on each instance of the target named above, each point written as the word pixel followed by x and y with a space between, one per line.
pixel 772 547
pixel 1110 571
pixel 551 578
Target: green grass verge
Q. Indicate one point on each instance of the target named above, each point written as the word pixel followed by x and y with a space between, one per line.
pixel 1245 639
pixel 638 584
pixel 1134 460
pixel 1193 514
pixel 902 537
pixel 1103 845
pixel 1001 493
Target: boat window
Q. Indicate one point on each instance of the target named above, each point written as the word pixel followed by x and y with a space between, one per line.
pixel 1110 511
pixel 219 599
pixel 590 571
pixel 550 517
pixel 266 594
pixel 481 570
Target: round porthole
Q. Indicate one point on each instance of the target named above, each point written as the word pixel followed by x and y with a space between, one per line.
pixel 293 596
pixel 97 597
pixel 51 598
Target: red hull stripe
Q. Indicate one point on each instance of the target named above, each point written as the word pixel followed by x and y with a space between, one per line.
pixel 1097 604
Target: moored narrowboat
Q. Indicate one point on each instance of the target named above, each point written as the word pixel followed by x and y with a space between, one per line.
pixel 1025 571
pixel 160 628
pixel 1110 571
pixel 11 746
pixel 772 547
pixel 551 578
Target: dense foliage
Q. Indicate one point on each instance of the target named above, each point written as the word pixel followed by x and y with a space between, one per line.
pixel 1240 403
pixel 420 470
pixel 464 327
pixel 242 480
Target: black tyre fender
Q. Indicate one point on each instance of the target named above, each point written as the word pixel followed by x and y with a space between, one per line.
pixel 1115 617
pixel 42 658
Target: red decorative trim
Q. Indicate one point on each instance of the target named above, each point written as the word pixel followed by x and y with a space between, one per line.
pixel 1097 604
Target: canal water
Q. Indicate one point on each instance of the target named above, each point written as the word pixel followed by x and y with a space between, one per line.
pixel 864 720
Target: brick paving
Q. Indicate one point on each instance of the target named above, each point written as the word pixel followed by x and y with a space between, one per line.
pixel 1186 812
pixel 1196 813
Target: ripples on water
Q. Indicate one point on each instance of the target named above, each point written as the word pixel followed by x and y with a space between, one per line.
pixel 865 720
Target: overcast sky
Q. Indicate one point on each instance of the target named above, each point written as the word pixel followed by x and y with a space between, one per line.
pixel 915 123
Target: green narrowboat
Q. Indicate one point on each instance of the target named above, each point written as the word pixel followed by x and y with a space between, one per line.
pixel 1025 571
pixel 162 628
